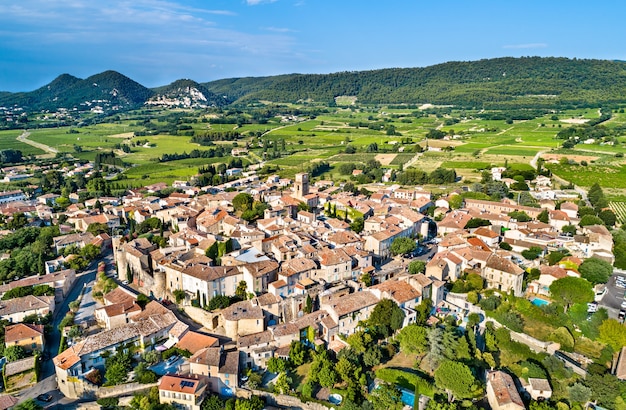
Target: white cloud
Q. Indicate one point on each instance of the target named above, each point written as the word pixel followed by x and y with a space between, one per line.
pixel 257 2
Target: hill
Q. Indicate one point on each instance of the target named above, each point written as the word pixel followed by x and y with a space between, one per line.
pixel 109 89
pixel 495 83
pixel 506 82
pixel 185 94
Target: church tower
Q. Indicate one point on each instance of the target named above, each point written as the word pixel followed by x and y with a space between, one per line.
pixel 302 185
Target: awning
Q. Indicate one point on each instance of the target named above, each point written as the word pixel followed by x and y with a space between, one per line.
pixel 168 343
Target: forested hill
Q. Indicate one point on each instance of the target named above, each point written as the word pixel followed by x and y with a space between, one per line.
pixel 493 82
pixel 496 83
pixel 106 89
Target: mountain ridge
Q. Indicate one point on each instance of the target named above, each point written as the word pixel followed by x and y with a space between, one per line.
pixel 505 81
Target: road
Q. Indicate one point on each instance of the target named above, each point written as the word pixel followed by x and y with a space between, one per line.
pixel 24 138
pixel 47 383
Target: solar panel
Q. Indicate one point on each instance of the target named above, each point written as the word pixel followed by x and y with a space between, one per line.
pixel 186 383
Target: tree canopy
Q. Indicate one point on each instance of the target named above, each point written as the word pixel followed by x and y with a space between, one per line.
pixel 401 246
pixel 595 270
pixel 387 317
pixel 570 290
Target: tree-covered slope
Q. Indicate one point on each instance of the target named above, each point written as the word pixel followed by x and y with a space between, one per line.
pixel 108 89
pixel 508 81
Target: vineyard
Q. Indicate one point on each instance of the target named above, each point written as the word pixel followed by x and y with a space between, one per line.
pixel 619 208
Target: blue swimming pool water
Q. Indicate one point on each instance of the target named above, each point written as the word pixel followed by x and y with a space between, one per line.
pixel 407 397
pixel 539 302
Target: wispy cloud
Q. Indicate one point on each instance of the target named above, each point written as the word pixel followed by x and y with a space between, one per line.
pixel 527 45
pixel 257 2
pixel 278 29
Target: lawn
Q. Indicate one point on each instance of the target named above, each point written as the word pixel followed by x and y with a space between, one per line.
pixel 406 378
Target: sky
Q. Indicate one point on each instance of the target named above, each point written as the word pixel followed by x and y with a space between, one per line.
pixel 156 42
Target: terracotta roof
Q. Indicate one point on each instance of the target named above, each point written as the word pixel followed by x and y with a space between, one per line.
pixel 227 361
pixel 193 341
pixel 331 257
pixel 242 310
pixel 504 265
pixel 180 384
pixel 352 302
pixel 255 339
pixel 399 291
pixel 504 388
pixel 7 401
pixel 21 331
pixel 25 304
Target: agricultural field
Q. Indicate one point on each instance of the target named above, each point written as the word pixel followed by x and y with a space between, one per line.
pixel 619 208
pixel 475 143
pixel 8 140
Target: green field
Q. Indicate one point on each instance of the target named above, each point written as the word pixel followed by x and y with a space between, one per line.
pixel 477 143
pixel 8 140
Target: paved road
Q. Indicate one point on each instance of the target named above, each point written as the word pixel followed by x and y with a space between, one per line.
pixel 47 383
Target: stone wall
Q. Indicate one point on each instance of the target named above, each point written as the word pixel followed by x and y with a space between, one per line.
pixel 199 315
pixel 122 389
pixel 281 400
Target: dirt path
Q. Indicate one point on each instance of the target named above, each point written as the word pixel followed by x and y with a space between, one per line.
pixel 24 138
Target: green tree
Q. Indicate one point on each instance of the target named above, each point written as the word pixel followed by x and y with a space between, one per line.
pixel 544 216
pixel 179 295
pixel 212 402
pixel 457 379
pixel 532 253
pixel 413 339
pixel 613 333
pixel 386 318
pixel 142 300
pixel 386 397
pixel 357 225
pixel 97 228
pixel 28 404
pixel 579 393
pixel 282 383
pixel 276 365
pixel 571 290
pixel 14 353
pixel 297 353
pixel 590 220
pixel 595 270
pixel 401 246
pixel 243 202
pixel 608 217
pixel 417 266
pixel 242 290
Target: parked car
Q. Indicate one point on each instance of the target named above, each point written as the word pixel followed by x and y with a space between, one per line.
pixel 623 304
pixel 621 315
pixel 171 360
pixel 592 307
pixel 45 397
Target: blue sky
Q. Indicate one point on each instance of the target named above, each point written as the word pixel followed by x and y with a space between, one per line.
pixel 158 41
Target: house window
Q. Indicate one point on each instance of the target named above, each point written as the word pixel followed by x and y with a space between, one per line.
pixel 227 382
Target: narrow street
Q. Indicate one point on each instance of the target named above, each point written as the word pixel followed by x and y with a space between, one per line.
pixel 47 383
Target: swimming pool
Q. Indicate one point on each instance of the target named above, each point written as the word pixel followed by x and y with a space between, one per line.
pixel 539 302
pixel 408 397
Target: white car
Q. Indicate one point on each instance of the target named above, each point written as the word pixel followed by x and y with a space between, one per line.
pixel 593 307
pixel 624 304
pixel 621 285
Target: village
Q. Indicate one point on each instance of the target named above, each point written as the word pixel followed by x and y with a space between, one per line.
pixel 220 303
